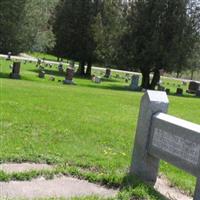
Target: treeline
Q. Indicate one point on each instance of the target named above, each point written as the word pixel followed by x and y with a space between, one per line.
pixel 26 25
pixel 146 35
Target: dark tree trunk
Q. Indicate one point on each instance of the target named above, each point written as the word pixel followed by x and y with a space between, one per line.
pixel 145 79
pixel 177 74
pixel 192 74
pixel 89 69
pixel 155 80
pixel 81 69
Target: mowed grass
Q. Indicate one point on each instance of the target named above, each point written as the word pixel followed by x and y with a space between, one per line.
pixel 87 125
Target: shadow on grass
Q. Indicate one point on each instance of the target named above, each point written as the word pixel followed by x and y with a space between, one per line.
pixel 50 72
pixel 25 78
pixel 184 95
pixel 4 75
pixel 133 182
pixel 108 87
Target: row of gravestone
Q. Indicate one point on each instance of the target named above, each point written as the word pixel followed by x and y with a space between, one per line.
pixel 194 87
pixel 70 71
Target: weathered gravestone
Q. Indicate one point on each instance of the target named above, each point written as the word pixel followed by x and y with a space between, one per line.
pixel 108 73
pixel 198 93
pixel 9 56
pixel 96 79
pixel 41 74
pixel 161 136
pixel 167 91
pixel 69 74
pixel 60 68
pixel 15 74
pixel 135 82
pixel 179 91
pixel 38 62
pixel 193 87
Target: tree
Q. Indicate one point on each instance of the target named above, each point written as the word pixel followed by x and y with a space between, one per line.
pixel 107 29
pixel 10 19
pixel 39 23
pixel 194 60
pixel 161 36
pixel 72 27
pixel 23 23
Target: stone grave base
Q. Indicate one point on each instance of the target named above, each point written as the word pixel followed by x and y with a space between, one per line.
pixel 68 82
pixel 14 76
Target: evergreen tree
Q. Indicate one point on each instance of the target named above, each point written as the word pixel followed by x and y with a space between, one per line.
pixel 24 25
pixel 161 35
pixel 11 14
pixel 108 27
pixel 74 38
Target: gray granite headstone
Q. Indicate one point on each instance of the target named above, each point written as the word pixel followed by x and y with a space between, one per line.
pixel 60 68
pixel 135 82
pixel 143 164
pixel 41 74
pixel 197 190
pixel 176 141
pixel 108 73
pixel 193 87
pixel 9 55
pixel 162 136
pixel 16 70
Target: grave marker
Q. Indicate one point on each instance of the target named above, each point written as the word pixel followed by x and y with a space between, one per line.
pixel 194 86
pixel 41 74
pixel 9 56
pixel 135 82
pixel 60 68
pixel 161 136
pixel 108 73
pixel 69 74
pixel 179 91
pixel 15 70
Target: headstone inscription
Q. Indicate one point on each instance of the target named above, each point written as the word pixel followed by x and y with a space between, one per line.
pixel 15 74
pixel 161 136
pixel 135 82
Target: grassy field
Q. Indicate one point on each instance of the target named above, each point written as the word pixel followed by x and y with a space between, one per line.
pixel 86 129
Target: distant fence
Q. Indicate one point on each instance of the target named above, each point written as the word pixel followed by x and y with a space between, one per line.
pixel 161 136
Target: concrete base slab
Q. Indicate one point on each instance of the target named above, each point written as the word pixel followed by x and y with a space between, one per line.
pixel 65 187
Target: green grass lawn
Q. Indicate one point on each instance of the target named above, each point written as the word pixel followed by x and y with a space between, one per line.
pixel 88 128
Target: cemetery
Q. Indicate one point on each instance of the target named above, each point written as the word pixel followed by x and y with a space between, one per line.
pixel 100 100
pixel 49 122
